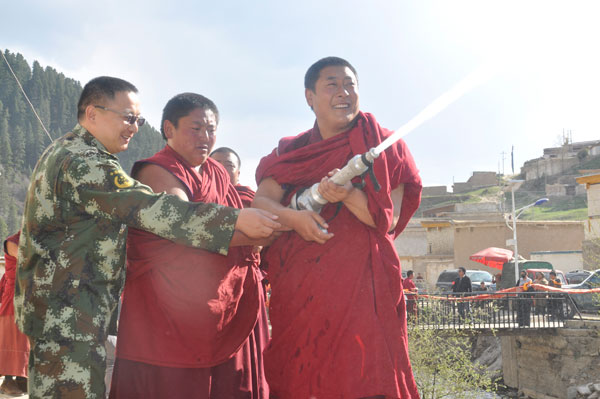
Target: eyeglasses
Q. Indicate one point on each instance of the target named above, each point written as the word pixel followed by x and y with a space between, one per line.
pixel 129 118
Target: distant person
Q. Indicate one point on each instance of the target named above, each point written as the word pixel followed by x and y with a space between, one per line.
pixel 540 302
pixel 410 290
pixel 481 288
pixel 540 279
pixel 555 301
pixel 71 265
pixel 524 280
pixel 554 281
pixel 462 285
pixel 232 163
pixel 524 300
pixel 193 323
pixel 14 345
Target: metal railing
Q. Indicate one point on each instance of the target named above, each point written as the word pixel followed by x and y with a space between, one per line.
pixel 523 310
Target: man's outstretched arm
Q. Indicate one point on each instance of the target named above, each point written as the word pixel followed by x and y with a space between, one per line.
pixel 252 227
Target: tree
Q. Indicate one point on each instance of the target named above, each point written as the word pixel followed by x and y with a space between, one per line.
pixel 38 93
pixel 22 139
pixel 582 154
pixel 5 146
pixel 4 196
pixel 13 221
pixel 18 161
pixel 143 145
pixel 3 229
pixel 442 364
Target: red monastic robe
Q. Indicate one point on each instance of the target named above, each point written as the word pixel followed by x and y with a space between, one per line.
pixel 411 299
pixel 246 194
pixel 188 308
pixel 336 330
pixel 14 345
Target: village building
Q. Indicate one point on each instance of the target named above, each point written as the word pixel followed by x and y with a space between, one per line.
pixel 591 242
pixel 429 246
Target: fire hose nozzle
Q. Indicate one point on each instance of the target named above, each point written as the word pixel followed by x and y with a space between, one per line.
pixel 312 200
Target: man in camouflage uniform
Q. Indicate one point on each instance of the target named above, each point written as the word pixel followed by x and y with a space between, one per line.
pixel 72 248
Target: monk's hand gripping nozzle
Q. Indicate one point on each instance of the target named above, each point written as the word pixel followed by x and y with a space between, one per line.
pixel 310 198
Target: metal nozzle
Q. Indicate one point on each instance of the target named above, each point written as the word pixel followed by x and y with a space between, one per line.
pixel 312 200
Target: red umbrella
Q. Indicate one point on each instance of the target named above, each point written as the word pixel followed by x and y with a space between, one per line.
pixel 493 257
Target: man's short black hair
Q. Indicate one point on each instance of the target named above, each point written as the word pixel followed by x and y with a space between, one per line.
pixel 312 75
pixel 181 105
pixel 99 89
pixel 553 273
pixel 228 150
pixel 409 273
pixel 463 269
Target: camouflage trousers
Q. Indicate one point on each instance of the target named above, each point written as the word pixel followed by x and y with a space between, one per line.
pixel 66 369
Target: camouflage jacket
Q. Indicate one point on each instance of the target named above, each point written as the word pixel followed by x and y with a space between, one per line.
pixel 72 250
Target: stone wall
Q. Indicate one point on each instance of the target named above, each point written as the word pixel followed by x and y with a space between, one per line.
pixel 557 190
pixel 434 190
pixel 440 241
pixel 412 241
pixel 537 168
pixel 473 236
pixel 477 207
pixel 562 190
pixel 461 188
pixel 548 364
pixel 483 179
pixel 417 240
pixel 477 180
pixel 591 254
pixel 429 267
pixel 591 244
pixel 433 269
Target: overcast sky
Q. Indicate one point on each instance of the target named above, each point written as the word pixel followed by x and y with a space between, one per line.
pixel 250 58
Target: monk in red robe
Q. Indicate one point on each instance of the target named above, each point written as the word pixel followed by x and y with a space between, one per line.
pixel 337 310
pixel 246 195
pixel 14 345
pixel 410 290
pixel 232 163
pixel 193 323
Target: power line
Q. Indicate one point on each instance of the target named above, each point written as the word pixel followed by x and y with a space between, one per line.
pixel 27 98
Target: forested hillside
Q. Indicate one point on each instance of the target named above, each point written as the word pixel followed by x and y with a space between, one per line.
pixel 22 139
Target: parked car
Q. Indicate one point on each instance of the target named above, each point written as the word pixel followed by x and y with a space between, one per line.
pixel 477 276
pixel 447 277
pixel 577 276
pixel 587 302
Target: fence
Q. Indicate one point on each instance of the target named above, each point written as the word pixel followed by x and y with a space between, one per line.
pixel 512 310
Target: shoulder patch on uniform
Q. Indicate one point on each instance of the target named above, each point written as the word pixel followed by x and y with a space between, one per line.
pixel 121 180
